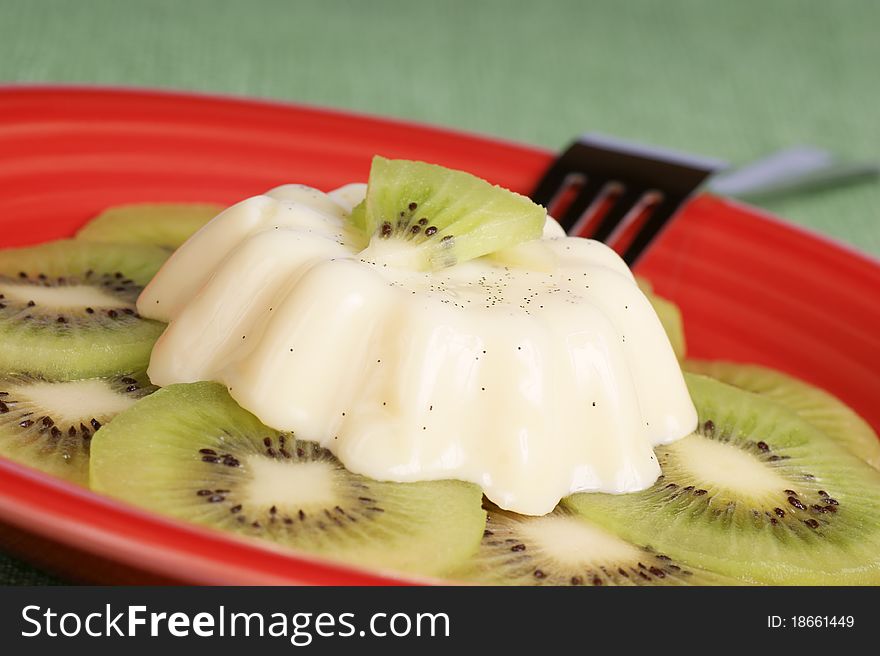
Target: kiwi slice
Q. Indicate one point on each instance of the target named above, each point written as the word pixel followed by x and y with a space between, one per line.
pixel 67 308
pixel 191 452
pixel 755 493
pixel 161 224
pixel 49 424
pixel 440 217
pixel 824 411
pixel 669 315
pixel 670 318
pixel 564 549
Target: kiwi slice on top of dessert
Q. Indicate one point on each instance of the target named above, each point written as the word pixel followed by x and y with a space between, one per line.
pixel 162 224
pixel 67 308
pixel 564 549
pixel 756 493
pixel 437 217
pixel 191 452
pixel 49 424
pixel 824 411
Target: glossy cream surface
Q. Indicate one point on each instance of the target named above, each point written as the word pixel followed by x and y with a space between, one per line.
pixel 534 373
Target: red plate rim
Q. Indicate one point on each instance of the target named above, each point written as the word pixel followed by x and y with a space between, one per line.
pixel 12 87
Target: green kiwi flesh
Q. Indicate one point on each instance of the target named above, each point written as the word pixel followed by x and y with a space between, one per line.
pixel 824 411
pixel 444 216
pixel 49 424
pixel 67 308
pixel 756 493
pixel 564 549
pixel 161 224
pixel 670 318
pixel 669 315
pixel 191 452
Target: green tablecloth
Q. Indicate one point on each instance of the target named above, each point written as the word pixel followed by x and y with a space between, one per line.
pixel 733 80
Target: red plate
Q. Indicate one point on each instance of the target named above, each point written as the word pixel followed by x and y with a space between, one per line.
pixel 750 287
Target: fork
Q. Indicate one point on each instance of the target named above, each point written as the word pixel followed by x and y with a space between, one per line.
pixel 619 192
pixel 625 194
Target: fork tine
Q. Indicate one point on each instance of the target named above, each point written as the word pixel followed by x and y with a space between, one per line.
pixel 556 177
pixel 623 205
pixel 655 223
pixel 588 194
pixel 640 171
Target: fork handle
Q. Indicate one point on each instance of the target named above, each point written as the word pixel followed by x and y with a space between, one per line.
pixel 790 171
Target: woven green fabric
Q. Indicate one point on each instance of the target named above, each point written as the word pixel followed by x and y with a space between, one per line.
pixel 734 80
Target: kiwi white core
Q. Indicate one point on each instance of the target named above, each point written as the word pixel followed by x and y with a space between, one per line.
pixel 73 401
pixel 65 297
pixel 571 541
pixel 294 485
pixel 726 467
